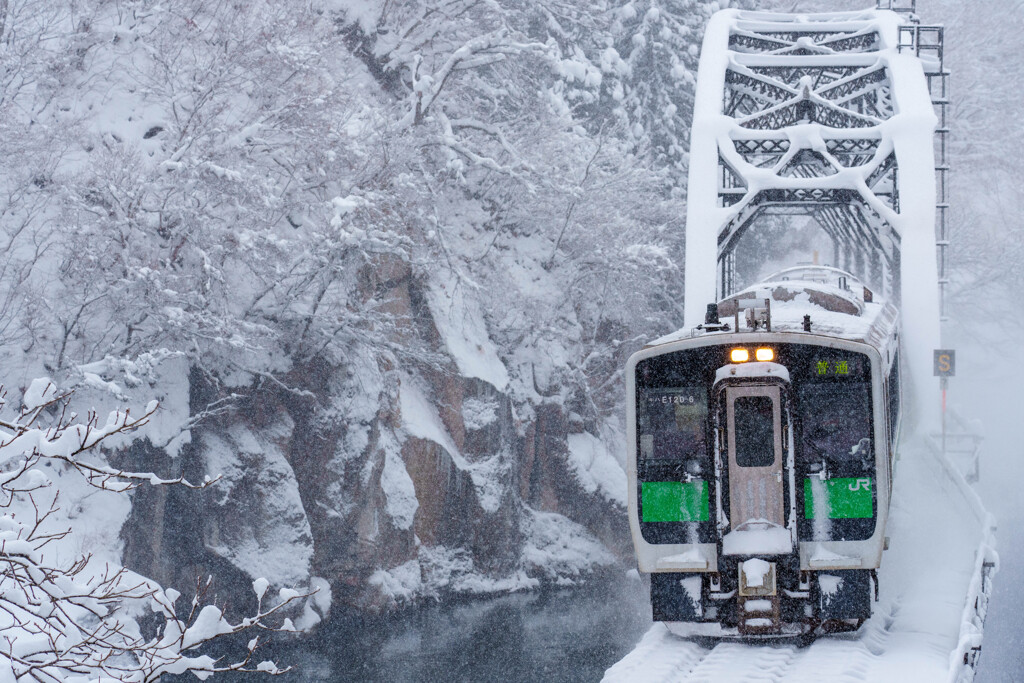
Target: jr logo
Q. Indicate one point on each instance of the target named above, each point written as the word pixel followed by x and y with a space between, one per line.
pixel 860 484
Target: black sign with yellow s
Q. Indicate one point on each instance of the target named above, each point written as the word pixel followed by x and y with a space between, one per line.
pixel 945 363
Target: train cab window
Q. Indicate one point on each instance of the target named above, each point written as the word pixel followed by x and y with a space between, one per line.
pixel 755 431
pixel 837 423
pixel 672 425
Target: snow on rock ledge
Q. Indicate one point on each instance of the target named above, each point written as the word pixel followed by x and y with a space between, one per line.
pixel 272 540
pixel 399 490
pixel 559 549
pixel 439 571
pixel 596 469
pixel 461 325
pixel 556 549
pixel 421 420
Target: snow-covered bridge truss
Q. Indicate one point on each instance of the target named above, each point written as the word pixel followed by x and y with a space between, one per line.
pixel 828 116
pixel 838 98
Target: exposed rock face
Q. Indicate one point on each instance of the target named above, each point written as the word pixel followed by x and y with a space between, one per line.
pixel 391 483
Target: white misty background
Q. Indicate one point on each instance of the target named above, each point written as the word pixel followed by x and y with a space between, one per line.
pixel 382 264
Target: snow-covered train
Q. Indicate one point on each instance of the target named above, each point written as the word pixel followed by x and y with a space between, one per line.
pixel 761 456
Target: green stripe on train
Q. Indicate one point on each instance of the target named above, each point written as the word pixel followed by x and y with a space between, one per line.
pixel 845 498
pixel 674 501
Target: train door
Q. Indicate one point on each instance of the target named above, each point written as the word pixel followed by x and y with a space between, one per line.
pixel 754 424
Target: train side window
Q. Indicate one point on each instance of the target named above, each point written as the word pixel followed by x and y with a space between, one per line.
pixel 894 395
pixel 673 423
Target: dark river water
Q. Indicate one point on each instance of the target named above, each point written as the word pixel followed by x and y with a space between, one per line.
pixel 551 635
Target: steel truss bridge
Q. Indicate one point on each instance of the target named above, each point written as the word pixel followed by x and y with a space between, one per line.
pixel 841 119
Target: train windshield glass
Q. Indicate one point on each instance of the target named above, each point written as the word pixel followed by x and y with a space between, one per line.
pixel 837 421
pixel 671 423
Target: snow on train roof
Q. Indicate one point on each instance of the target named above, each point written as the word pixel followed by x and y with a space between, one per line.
pixel 838 304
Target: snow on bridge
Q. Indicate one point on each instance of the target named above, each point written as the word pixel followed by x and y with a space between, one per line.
pixel 817 115
pixel 824 116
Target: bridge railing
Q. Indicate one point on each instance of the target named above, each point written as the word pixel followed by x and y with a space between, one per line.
pixel 965 657
pixel 927 44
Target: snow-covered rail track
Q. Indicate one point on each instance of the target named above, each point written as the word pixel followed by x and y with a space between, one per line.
pixel 934 580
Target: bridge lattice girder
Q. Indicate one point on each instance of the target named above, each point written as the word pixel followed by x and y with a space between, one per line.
pixel 819 116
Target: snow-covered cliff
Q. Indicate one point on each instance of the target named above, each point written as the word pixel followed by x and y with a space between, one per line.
pixel 382 263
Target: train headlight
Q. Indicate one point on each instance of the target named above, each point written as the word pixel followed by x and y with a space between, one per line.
pixel 764 354
pixel 739 356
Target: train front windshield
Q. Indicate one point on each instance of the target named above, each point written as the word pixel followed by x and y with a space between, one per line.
pixel 672 423
pixel 837 422
pixel 834 446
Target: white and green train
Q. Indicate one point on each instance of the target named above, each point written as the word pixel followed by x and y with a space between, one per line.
pixel 761 457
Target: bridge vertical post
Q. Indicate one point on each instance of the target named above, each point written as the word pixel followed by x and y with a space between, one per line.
pixel 875 271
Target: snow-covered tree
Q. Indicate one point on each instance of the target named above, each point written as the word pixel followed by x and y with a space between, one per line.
pixel 986 197
pixel 652 69
pixel 72 618
pixel 306 202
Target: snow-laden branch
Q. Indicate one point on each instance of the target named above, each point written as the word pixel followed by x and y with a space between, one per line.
pixel 66 440
pixel 69 620
pixel 482 50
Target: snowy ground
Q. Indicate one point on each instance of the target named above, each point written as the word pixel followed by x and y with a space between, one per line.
pixel 914 633
pixel 987 388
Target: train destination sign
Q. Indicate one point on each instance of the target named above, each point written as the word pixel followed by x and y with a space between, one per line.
pixel 837 367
